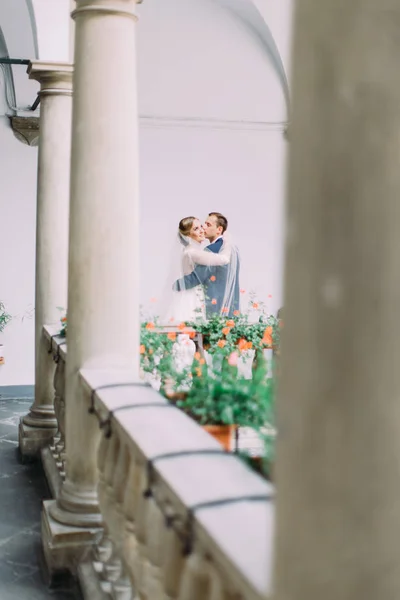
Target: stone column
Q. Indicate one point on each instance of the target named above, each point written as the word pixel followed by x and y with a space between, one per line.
pixel 38 427
pixel 338 509
pixel 103 303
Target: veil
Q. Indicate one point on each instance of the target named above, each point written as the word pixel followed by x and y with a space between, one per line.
pixel 207 282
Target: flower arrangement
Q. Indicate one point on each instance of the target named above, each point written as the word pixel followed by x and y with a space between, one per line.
pixel 238 334
pixel 63 330
pixel 216 394
pixel 5 317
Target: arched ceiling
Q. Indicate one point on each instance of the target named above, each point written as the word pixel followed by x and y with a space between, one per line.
pixel 249 13
pixel 24 28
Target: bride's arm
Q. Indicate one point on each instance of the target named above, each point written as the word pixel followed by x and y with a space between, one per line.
pixel 210 259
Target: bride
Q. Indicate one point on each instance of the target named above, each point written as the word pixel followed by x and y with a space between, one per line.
pixel 191 250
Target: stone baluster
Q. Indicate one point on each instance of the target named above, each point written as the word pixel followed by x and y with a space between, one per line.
pixel 130 545
pixel 174 564
pixel 112 566
pixel 155 537
pixel 58 378
pixel 53 456
pixel 196 583
pixel 103 327
pixel 59 407
pixel 121 588
pixel 103 548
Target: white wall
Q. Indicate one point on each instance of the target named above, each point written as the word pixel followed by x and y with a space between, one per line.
pixel 17 249
pixel 52 26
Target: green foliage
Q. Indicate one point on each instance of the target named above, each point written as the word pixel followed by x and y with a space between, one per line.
pixel 5 318
pixel 222 397
pixel 217 395
pixel 224 335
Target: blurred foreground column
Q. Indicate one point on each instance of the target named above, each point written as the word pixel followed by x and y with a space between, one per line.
pixel 39 426
pixel 103 305
pixel 338 509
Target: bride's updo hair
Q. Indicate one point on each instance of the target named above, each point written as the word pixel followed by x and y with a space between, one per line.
pixel 185 225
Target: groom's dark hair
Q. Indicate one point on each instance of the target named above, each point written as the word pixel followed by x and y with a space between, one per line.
pixel 221 220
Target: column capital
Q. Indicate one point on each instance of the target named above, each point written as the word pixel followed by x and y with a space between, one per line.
pixel 54 78
pixel 117 7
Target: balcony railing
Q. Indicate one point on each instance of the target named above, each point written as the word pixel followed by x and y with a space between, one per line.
pixel 183 519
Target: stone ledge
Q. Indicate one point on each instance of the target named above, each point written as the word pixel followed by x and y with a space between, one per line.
pixel 229 533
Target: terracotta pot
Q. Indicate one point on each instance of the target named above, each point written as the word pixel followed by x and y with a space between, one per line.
pixel 224 434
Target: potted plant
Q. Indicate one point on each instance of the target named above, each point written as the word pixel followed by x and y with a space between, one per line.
pixel 222 401
pixel 5 318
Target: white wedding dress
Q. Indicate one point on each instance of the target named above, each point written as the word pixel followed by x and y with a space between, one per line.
pixel 189 305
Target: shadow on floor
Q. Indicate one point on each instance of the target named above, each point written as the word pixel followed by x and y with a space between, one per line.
pixel 22 489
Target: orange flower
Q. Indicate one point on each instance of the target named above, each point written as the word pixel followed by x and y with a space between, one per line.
pixel 213 278
pixel 172 336
pixel 181 326
pixel 213 301
pixel 249 345
pixel 268 331
pixel 150 325
pixel 197 355
pixel 225 309
pixel 221 343
pixel 202 361
pixel 242 344
pixel 142 349
pixel 236 313
pixel 64 320
pixel 226 330
pixel 198 372
pixel 192 335
pixel 255 305
pixel 267 341
pixel 230 323
pixel 151 351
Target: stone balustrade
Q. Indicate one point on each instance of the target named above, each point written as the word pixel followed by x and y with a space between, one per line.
pixel 54 455
pixel 183 520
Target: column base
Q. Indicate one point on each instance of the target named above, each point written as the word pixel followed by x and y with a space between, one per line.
pixel 52 472
pixel 64 546
pixel 77 506
pixel 33 439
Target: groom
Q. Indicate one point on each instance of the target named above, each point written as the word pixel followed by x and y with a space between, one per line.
pixel 214 279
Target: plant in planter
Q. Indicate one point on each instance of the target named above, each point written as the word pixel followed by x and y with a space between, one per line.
pixel 158 361
pixel 221 400
pixel 5 318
